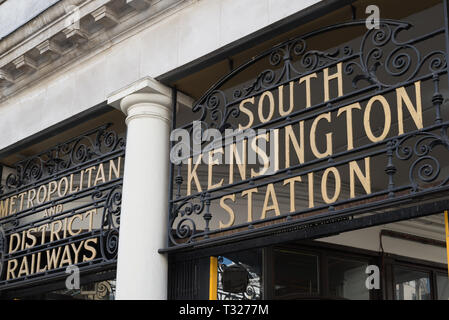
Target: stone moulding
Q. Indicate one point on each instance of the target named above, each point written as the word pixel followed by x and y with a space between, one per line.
pixel 70 36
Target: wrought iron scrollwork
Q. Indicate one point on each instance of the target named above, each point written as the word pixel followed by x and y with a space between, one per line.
pixel 182 221
pixel 109 232
pixel 386 61
pixel 425 168
pixel 382 60
pixel 91 144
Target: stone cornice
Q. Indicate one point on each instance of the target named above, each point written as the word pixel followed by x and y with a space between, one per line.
pixel 78 29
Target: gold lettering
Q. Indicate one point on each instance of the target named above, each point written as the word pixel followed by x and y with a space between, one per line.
pixel 51 190
pixel 31 237
pixel 324 185
pixel 22 246
pixel 402 96
pixel 43 228
pixel 10 270
pixel 365 179
pixel 282 112
pixel 274 152
pixel 12 203
pixel 71 190
pixel 91 249
pixel 338 75
pixel 22 196
pixel 11 241
pixel 99 178
pixel 247 112
pixel 191 174
pixel 249 192
pixel 54 233
pixel 328 152
pixel 270 193
pixel 69 226
pixel 114 168
pixel 91 219
pixel 349 132
pixel 23 270
pixel 261 104
pixel 311 190
pixel 81 179
pixel 38 263
pixel 210 164
pixel 387 116
pixel 77 250
pixel 241 163
pixel 4 207
pixel 30 198
pixel 89 177
pixel 308 91
pixel 66 256
pixel 39 192
pixel 290 137
pixel 66 187
pixel 261 153
pixel 291 182
pixel 53 257
pixel 33 259
pixel 229 210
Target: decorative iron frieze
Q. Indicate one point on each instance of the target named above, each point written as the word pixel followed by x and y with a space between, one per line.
pixel 347 128
pixel 61 208
pixel 65 156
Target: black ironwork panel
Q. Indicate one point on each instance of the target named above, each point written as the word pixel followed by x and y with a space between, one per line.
pixel 358 127
pixel 188 279
pixel 60 209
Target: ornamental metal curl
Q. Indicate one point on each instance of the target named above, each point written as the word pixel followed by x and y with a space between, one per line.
pixel 387 57
pixel 425 167
pixel 181 222
pixel 90 145
pixel 109 231
pixel 380 57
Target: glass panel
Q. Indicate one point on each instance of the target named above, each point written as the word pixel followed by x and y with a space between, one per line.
pixel 101 290
pixel 411 285
pixel 347 279
pixel 240 276
pixel 443 287
pixel 295 273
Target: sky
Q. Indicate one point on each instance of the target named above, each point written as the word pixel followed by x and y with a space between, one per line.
pixel 14 13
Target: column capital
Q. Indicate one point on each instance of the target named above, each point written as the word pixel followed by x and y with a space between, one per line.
pixel 147 85
pixel 148 105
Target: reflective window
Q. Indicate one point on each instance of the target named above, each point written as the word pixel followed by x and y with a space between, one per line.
pixel 411 284
pixel 347 279
pixel 442 287
pixel 295 273
pixel 103 290
pixel 240 276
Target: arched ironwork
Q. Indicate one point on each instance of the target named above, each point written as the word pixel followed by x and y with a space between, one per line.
pixel 377 61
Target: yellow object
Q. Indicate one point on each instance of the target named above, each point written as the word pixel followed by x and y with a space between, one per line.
pixel 446 223
pixel 213 278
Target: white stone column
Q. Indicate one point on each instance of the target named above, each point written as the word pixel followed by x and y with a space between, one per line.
pixel 141 270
